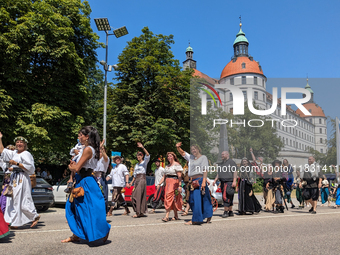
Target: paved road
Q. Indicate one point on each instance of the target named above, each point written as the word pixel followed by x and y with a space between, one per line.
pixel 294 232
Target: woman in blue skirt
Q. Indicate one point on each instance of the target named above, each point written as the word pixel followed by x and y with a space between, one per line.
pixel 199 200
pixel 86 214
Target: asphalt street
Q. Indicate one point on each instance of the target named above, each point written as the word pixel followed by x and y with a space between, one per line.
pixel 294 232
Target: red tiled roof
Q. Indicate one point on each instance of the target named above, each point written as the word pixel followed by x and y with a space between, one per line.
pixel 236 67
pixel 206 77
pixel 313 108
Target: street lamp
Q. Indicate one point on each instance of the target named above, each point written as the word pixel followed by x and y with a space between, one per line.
pixel 103 25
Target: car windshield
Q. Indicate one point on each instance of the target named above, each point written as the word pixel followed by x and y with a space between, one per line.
pixel 64 181
pixel 42 181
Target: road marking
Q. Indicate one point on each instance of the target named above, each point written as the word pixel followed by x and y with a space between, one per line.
pixel 252 217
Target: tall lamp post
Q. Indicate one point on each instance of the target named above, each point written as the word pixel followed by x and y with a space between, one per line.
pixel 103 25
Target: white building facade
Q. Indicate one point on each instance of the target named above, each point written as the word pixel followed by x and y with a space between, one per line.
pixel 299 132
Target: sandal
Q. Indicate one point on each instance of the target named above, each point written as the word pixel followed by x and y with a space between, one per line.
pixel 184 214
pixel 135 216
pixel 35 222
pixel 165 219
pixel 175 218
pixel 109 214
pixel 126 213
pixel 12 227
pixel 209 220
pixel 73 238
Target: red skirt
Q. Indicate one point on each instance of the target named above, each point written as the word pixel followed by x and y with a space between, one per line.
pixel 171 201
pixel 4 229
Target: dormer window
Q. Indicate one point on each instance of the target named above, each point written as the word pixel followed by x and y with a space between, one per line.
pixel 243 65
pixel 310 110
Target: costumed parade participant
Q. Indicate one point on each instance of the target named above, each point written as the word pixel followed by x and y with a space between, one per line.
pixel 138 197
pixel 172 178
pixel 199 200
pixel 120 178
pixel 100 172
pixel 20 208
pixel 6 182
pixel 85 208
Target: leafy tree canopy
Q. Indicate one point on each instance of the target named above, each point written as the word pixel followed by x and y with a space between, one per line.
pixel 151 101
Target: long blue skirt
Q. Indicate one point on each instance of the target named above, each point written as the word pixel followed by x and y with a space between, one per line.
pixel 86 215
pixel 337 201
pixel 200 205
pixel 324 195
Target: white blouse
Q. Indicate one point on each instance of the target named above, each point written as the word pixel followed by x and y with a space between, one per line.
pixel 92 162
pixel 172 170
pixel 140 168
pixel 196 166
pixel 102 166
pixel 25 158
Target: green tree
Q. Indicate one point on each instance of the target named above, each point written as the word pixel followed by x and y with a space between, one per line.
pixel 328 158
pixel 151 101
pixel 263 140
pixel 47 52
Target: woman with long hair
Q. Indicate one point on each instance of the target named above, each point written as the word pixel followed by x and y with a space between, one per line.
pixel 138 197
pixel 20 208
pixel 247 199
pixel 199 200
pixel 173 179
pixel 85 208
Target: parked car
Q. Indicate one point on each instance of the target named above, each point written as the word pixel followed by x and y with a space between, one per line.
pixel 215 191
pixel 42 193
pixel 150 191
pixel 60 197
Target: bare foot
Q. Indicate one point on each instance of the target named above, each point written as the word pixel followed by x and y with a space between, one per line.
pixel 109 214
pixel 71 239
pixel 35 222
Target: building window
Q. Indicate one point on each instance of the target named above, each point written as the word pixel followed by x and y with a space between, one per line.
pixel 231 110
pixel 320 121
pixel 231 96
pixel 310 120
pixel 244 80
pixel 321 150
pixel 320 140
pixel 290 142
pixel 310 110
pixel 255 80
pixel 264 98
pixel 256 95
pixel 243 65
pixel 262 82
pixel 245 95
pixel 231 81
pixel 320 130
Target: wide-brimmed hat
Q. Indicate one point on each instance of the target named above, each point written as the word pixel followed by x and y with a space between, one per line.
pixel 115 157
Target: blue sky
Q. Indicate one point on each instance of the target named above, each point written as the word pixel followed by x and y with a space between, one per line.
pixel 289 38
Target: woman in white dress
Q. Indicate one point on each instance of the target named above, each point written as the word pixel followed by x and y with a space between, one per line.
pixel 20 208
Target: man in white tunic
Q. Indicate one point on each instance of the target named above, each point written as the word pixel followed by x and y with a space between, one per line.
pixel 20 208
pixel 120 177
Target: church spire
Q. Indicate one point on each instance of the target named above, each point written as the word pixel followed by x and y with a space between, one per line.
pixel 309 88
pixel 241 43
pixel 189 62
